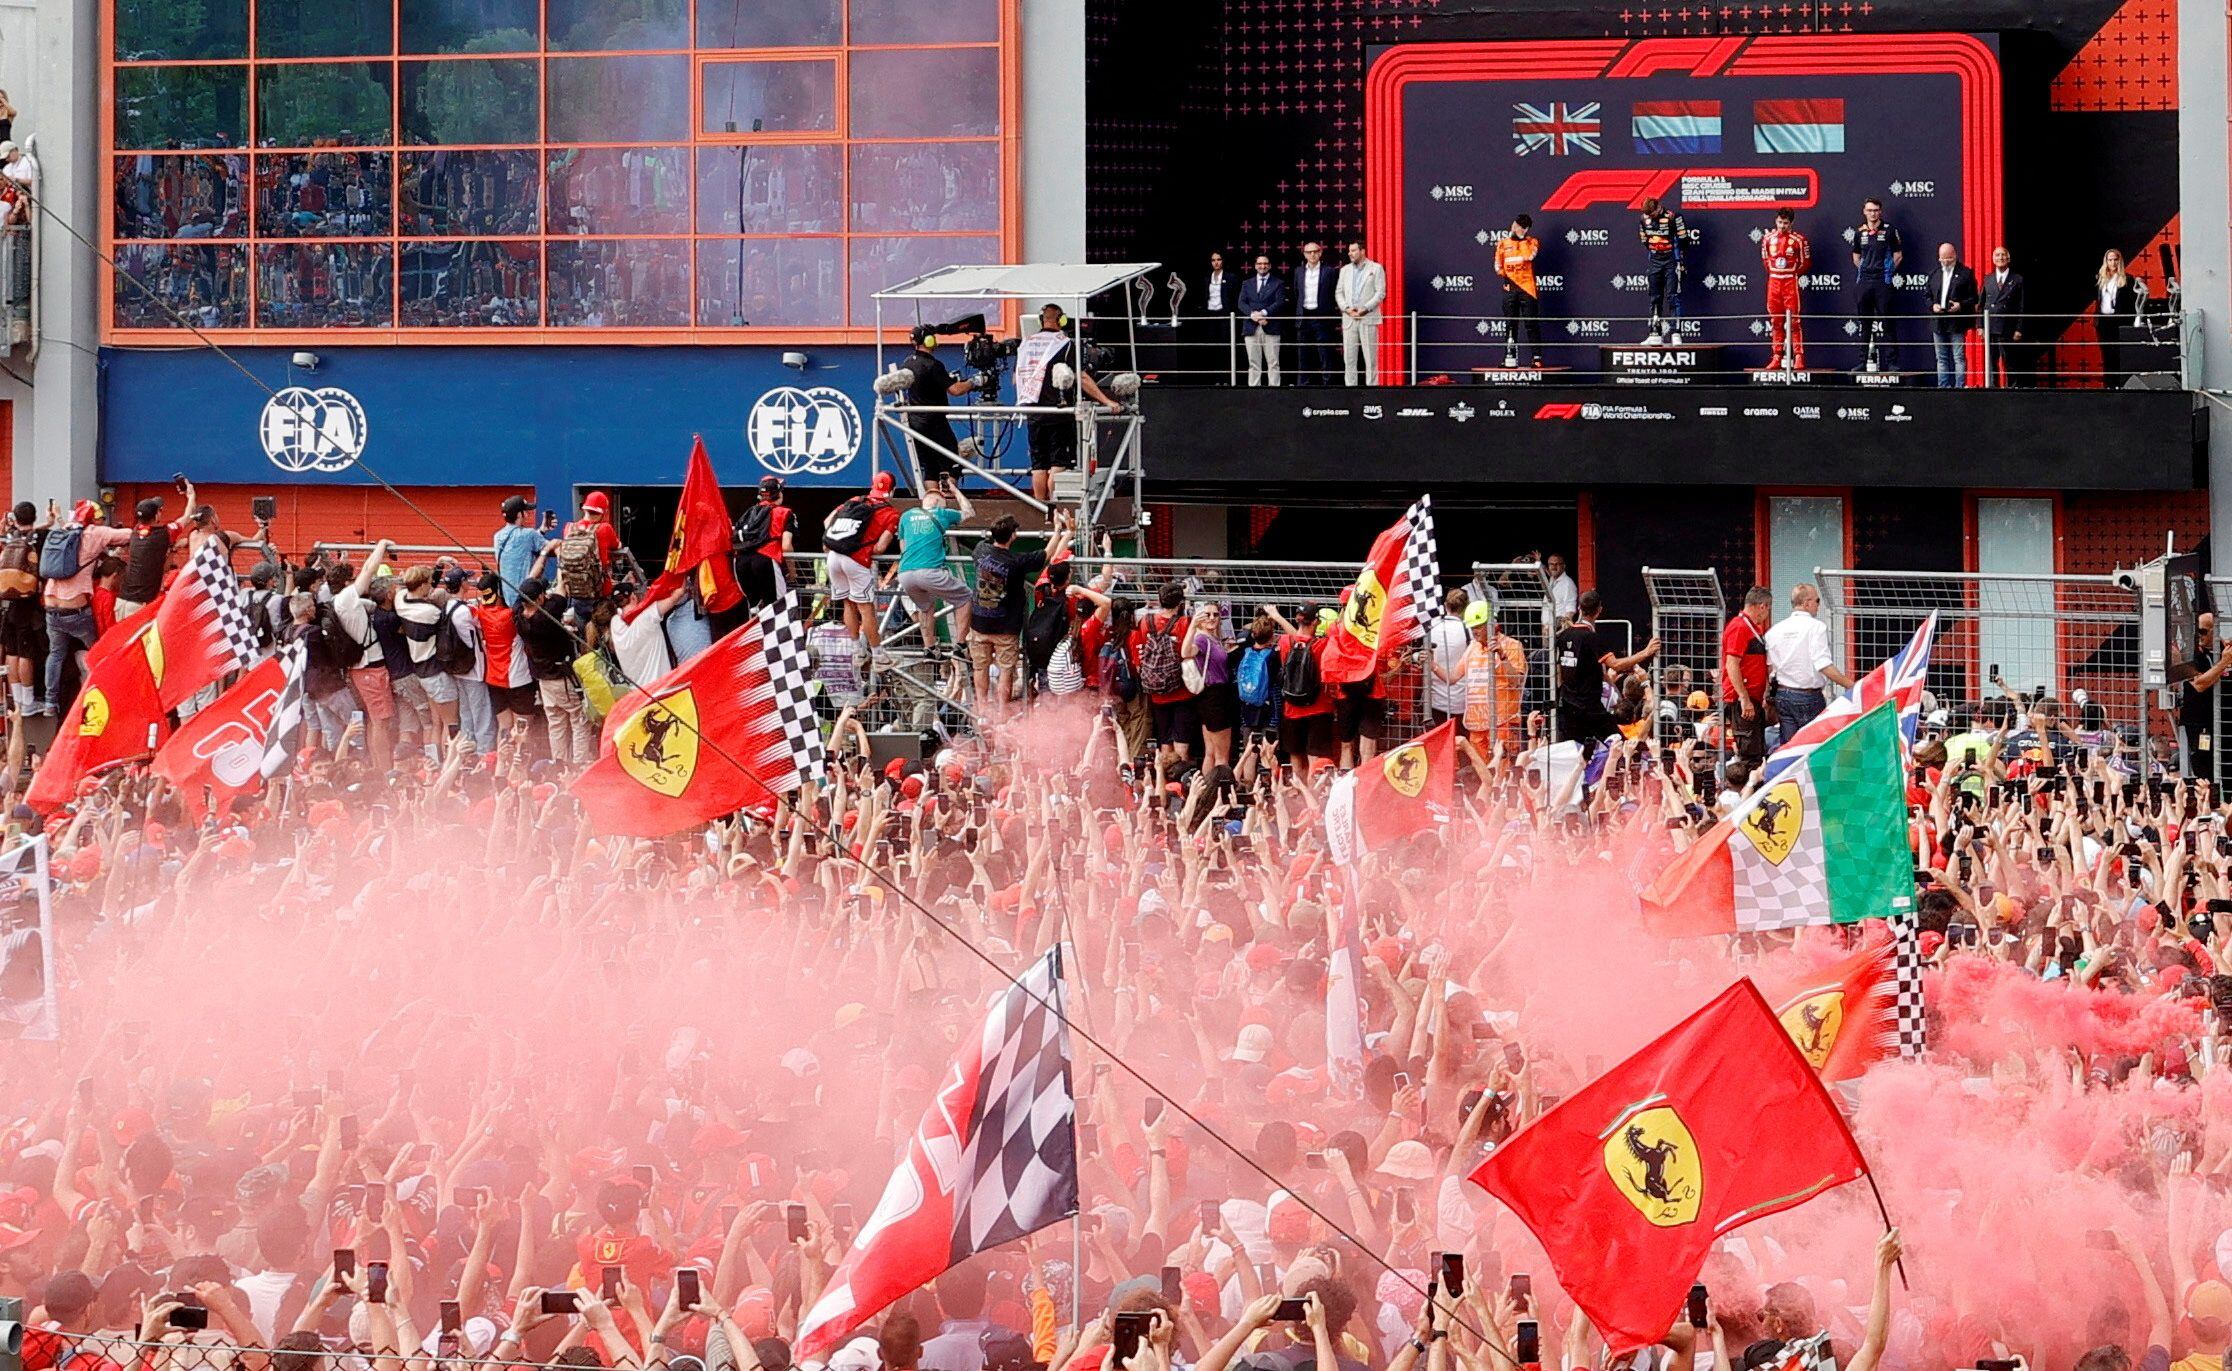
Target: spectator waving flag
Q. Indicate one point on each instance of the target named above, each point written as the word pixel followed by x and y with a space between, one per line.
pixel 1400 792
pixel 1393 598
pixel 731 727
pixel 1844 1017
pixel 1826 843
pixel 118 717
pixel 698 550
pixel 994 1158
pixel 284 739
pixel 1628 1184
pixel 204 628
pixel 218 755
pixel 1901 678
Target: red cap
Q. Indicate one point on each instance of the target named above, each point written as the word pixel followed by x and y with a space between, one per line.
pixel 597 500
pixel 85 512
pixel 882 483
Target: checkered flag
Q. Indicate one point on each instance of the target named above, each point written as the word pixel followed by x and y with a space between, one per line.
pixel 995 1158
pixel 791 671
pixel 234 618
pixel 1906 982
pixel 284 739
pixel 1020 1169
pixel 1416 598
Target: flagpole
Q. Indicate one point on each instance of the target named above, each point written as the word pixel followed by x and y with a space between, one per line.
pixel 1887 1224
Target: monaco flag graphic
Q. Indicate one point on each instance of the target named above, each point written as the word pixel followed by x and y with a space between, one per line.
pixel 995 1158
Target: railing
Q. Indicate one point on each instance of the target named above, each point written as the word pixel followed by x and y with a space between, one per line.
pixel 17 275
pixel 1996 351
pixel 1687 614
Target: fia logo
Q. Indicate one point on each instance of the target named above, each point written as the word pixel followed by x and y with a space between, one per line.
pixel 313 430
pixel 811 431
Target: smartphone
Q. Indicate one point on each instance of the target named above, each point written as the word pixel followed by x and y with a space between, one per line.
pixel 375 1282
pixel 1522 1290
pixel 688 1293
pixel 2189 837
pixel 375 1201
pixel 647 1176
pixel 1997 1364
pixel 1130 1329
pixel 1696 1311
pixel 344 1262
pixel 794 1215
pixel 472 1196
pixel 2045 856
pixel 729 1213
pixel 1453 1274
pixel 265 508
pixel 1405 1211
pixel 191 1317
pixel 1212 1216
pixel 840 1218
pixel 559 1302
pixel 453 1316
pixel 178 479
pixel 1267 1276
pixel 1173 1287
pixel 1291 1311
pixel 1315 1161
pixel 1529 1350
pixel 1152 1110
pixel 1482 1032
pixel 349 1130
pixel 609 1284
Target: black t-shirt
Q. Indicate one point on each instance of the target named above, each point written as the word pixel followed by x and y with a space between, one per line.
pixel 931 380
pixel 2197 708
pixel 144 559
pixel 1003 588
pixel 1581 650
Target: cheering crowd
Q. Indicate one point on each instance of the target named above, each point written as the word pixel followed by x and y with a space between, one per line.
pixel 400 1059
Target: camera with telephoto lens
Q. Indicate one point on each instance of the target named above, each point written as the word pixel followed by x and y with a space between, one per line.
pixel 980 352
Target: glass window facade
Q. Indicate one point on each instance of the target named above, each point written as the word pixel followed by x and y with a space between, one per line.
pixel 693 168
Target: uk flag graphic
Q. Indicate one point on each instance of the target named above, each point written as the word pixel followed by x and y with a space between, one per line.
pixel 1559 129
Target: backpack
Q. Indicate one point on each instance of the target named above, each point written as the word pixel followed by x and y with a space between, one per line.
pixel 1044 631
pixel 1299 680
pixel 19 578
pixel 1160 671
pixel 754 527
pixel 602 683
pixel 342 649
pixel 1254 677
pixel 1115 675
pixel 580 570
pixel 848 527
pixel 63 555
pixel 453 656
pixel 259 610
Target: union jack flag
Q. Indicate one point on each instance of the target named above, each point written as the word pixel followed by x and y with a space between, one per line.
pixel 1900 678
pixel 1557 128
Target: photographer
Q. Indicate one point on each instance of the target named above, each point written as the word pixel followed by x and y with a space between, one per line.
pixel 934 386
pixel 1048 372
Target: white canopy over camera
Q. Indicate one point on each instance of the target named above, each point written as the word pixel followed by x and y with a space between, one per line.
pixel 1019 281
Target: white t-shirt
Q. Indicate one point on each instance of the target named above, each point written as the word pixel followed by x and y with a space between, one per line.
pixel 642 647
pixel 1446 642
pixel 1565 597
pixel 1797 650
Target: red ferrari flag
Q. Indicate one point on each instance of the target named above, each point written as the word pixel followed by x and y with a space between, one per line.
pixel 117 717
pixel 1395 594
pixel 701 541
pixel 1394 795
pixel 1629 1183
pixel 218 754
pixel 733 726
pixel 204 628
pixel 1844 1017
pixel 123 633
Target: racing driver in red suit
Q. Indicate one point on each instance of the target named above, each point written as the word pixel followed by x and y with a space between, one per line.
pixel 1786 255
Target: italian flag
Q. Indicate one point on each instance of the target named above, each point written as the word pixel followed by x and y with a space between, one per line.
pixel 1825 842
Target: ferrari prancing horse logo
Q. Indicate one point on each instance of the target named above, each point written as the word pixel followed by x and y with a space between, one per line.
pixel 658 745
pixel 1776 821
pixel 1652 1158
pixel 1813 1022
pixel 1361 614
pixel 1407 770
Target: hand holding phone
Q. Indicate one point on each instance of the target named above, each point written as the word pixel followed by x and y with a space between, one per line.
pixel 794 1216
pixel 375 1282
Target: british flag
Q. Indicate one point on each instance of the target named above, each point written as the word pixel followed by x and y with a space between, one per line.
pixel 1557 128
pixel 1900 678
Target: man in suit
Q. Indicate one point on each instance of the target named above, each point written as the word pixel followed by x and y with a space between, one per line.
pixel 1263 307
pixel 1316 317
pixel 2002 292
pixel 1952 315
pixel 1360 292
pixel 1218 302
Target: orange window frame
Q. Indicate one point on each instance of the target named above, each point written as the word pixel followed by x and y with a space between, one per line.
pixel 252 244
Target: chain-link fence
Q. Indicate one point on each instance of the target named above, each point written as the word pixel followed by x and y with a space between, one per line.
pixel 2001 637
pixel 1687 613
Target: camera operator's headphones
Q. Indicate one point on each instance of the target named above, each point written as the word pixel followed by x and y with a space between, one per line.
pixel 1061 316
pixel 923 331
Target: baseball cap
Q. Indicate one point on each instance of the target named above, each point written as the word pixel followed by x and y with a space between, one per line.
pixel 883 483
pixel 515 505
pixel 2210 1300
pixel 1254 1044
pixel 771 485
pixel 1477 614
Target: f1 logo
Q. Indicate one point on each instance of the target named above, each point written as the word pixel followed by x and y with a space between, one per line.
pixel 1554 410
pixel 1629 186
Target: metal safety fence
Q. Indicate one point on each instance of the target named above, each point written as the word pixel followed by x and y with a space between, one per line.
pixel 2201 749
pixel 1687 614
pixel 2003 640
pixel 1519 594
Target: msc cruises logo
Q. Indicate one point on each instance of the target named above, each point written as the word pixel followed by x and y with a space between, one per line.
pixel 312 430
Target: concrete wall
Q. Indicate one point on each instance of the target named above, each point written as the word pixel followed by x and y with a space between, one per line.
pixel 1053 131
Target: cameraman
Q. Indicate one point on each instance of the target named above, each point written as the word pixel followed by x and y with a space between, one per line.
pixel 933 385
pixel 1053 437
